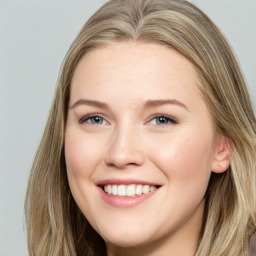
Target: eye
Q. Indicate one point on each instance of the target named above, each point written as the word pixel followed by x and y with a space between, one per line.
pixel 163 120
pixel 93 119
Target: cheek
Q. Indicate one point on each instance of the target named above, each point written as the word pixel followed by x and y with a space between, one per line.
pixel 77 169
pixel 75 154
pixel 185 157
pixel 81 154
pixel 82 159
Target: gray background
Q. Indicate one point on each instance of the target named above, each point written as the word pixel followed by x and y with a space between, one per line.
pixel 35 36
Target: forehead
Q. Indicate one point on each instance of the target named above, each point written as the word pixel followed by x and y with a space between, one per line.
pixel 134 71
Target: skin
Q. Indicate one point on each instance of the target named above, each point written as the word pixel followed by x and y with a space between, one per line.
pixel 129 142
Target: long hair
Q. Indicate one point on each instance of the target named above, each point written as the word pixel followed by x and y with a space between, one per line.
pixel 56 226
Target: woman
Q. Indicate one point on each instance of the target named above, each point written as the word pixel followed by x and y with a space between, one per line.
pixel 150 145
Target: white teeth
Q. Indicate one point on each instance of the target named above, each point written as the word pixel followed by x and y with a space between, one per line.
pixel 114 190
pixel 121 190
pixel 109 189
pixel 139 190
pixel 145 189
pixel 128 190
pixel 152 188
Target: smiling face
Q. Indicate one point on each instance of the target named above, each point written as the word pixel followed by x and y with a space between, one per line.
pixel 138 128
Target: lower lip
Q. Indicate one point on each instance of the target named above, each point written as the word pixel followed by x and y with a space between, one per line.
pixel 124 201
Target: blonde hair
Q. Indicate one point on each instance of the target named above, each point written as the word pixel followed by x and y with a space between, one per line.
pixel 56 226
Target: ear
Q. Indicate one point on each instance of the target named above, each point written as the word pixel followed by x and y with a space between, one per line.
pixel 222 155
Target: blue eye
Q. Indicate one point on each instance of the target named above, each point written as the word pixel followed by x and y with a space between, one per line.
pixel 93 120
pixel 163 120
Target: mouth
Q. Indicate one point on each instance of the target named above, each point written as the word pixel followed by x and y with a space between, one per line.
pixel 130 190
pixel 126 193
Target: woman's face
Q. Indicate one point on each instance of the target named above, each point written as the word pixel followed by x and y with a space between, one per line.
pixel 138 127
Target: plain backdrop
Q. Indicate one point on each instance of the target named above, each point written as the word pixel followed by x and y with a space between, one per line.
pixel 34 38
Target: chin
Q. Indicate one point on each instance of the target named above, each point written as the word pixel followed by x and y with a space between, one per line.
pixel 125 239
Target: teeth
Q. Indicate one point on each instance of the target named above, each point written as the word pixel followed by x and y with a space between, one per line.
pixel 121 191
pixel 114 190
pixel 152 188
pixel 139 190
pixel 109 189
pixel 145 189
pixel 128 190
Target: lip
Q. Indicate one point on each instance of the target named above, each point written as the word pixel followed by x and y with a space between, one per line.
pixel 125 182
pixel 124 202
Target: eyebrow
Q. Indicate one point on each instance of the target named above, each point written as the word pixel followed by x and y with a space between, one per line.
pixel 94 103
pixel 157 103
pixel 148 103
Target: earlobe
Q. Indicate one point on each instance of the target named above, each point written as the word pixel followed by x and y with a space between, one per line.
pixel 222 155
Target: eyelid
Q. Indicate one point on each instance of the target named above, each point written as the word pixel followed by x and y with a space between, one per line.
pixel 86 117
pixel 172 120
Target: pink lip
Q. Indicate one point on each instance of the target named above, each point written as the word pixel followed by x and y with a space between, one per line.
pixel 124 182
pixel 126 201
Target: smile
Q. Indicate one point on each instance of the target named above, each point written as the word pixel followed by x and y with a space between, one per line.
pixel 126 193
pixel 128 190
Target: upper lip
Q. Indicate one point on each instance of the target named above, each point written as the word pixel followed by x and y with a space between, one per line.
pixel 125 182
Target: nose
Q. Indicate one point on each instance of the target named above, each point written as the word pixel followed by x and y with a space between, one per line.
pixel 124 150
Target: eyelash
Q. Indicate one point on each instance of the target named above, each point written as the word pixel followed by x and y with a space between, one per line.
pixel 169 120
pixel 88 117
